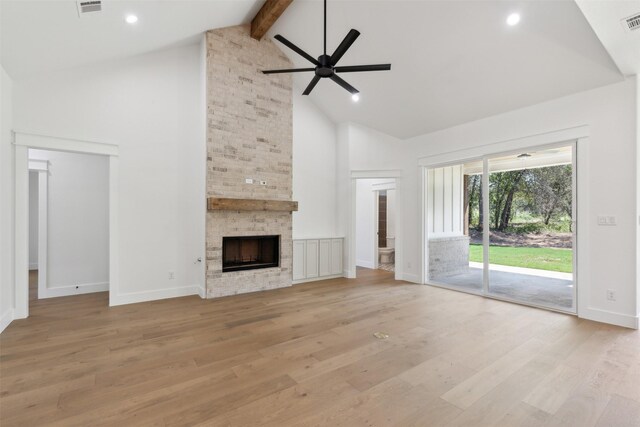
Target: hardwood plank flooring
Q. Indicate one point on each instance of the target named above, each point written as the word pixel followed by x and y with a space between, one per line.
pixel 306 356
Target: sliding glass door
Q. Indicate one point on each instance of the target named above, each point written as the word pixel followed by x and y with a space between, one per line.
pixel 504 226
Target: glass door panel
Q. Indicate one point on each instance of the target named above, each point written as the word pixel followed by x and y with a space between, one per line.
pixel 531 224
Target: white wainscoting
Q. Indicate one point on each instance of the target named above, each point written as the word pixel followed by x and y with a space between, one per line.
pixel 317 259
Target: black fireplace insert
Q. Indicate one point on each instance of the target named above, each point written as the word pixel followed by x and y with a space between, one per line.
pixel 250 252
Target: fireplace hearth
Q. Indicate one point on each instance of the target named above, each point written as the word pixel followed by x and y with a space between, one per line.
pixel 250 252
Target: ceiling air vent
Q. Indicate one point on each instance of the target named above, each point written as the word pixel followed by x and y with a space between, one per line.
pixel 632 23
pixel 89 6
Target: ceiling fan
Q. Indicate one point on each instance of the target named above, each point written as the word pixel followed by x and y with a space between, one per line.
pixel 325 65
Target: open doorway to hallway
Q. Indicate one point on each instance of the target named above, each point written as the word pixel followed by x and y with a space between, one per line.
pixel 376 224
pixel 504 226
pixel 68 224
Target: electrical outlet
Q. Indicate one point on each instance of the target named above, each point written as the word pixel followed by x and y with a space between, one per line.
pixel 611 295
pixel 248 181
pixel 172 275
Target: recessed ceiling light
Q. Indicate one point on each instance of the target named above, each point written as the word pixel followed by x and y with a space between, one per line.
pixel 131 19
pixel 513 19
pixel 355 97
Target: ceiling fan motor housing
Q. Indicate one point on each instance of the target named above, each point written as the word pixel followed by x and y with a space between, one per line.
pixel 324 69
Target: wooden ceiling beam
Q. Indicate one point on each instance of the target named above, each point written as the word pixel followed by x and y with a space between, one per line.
pixel 267 16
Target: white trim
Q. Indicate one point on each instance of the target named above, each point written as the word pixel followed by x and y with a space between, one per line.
pixel 376 219
pixel 43 231
pixel 317 279
pixel 365 264
pixel 38 165
pixel 553 138
pixel 413 278
pixel 610 317
pixel 48 142
pixel 158 294
pixel 384 186
pixel 6 319
pixel 21 243
pixel 201 292
pixel 376 174
pixel 114 239
pixel 63 291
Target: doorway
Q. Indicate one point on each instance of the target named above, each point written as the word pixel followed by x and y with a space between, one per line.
pixel 68 224
pixel 109 153
pixel 375 228
pixel 504 226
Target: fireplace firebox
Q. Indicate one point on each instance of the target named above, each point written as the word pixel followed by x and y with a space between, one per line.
pixel 250 252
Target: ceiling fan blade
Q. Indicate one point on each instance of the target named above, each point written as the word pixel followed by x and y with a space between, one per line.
pixel 296 49
pixel 344 84
pixel 313 84
pixel 289 70
pixel 346 44
pixel 355 68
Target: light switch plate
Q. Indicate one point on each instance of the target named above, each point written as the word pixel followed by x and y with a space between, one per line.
pixel 607 220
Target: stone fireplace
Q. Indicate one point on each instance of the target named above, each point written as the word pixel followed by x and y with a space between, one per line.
pixel 249 163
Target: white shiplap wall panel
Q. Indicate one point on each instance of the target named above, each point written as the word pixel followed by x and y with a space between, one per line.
pixel 445 200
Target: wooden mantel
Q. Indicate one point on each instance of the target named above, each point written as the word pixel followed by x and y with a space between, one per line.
pixel 222 204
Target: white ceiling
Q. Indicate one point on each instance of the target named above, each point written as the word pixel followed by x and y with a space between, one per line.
pixel 40 36
pixel 605 18
pixel 452 61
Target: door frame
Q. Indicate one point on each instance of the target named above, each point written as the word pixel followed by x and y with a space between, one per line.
pixel 22 142
pixel 351 228
pixel 577 137
pixel 42 168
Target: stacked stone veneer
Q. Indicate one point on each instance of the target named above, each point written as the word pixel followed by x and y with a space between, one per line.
pixel 448 255
pixel 249 135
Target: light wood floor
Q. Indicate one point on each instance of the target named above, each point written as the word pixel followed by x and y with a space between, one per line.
pixel 306 356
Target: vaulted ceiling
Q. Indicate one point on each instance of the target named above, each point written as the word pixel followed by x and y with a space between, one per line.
pixel 38 36
pixel 452 61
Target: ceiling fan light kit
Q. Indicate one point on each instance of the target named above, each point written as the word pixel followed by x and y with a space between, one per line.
pixel 325 65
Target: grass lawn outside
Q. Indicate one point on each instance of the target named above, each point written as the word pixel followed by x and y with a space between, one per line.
pixel 540 258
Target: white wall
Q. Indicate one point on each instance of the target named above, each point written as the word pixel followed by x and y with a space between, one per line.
pixel 33 220
pixel 151 106
pixel 77 222
pixel 6 196
pixel 314 171
pixel 607 162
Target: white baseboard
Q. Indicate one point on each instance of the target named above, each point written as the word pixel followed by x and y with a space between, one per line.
pixel 33 266
pixel 315 279
pixel 65 291
pixel 597 315
pixel 202 292
pixel 413 278
pixel 6 319
pixel 136 297
pixel 365 264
